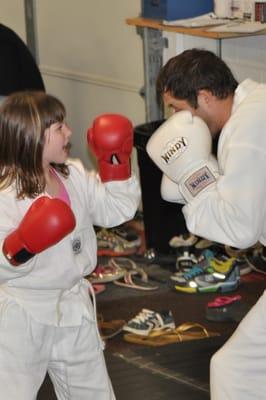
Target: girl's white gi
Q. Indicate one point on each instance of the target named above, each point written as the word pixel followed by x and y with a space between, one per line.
pixel 47 319
pixel 234 212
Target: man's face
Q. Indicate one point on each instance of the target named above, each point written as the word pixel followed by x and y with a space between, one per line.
pixel 208 109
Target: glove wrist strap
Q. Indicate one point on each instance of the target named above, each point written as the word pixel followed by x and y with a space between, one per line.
pixel 197 181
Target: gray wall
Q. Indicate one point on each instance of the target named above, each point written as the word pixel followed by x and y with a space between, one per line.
pixel 89 58
pixel 93 61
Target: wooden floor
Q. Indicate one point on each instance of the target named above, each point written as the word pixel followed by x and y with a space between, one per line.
pixel 174 371
pixel 179 370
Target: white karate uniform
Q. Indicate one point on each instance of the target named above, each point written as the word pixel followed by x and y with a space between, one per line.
pixel 234 212
pixel 47 319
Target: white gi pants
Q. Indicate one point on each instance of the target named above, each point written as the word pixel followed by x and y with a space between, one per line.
pixel 238 369
pixel 72 356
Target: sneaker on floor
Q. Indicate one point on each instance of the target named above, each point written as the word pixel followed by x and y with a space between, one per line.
pixel 225 280
pixel 226 309
pixel 257 260
pixel 148 320
pixel 185 240
pixel 127 234
pixel 204 244
pixel 186 261
pixel 112 245
pixel 243 265
pixel 199 268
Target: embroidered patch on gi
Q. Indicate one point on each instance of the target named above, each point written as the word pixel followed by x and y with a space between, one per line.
pixel 199 180
pixel 173 149
pixel 76 245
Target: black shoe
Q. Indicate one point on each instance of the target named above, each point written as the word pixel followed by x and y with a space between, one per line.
pixel 226 309
pixel 257 260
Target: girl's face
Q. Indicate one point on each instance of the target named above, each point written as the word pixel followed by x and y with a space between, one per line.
pixel 56 145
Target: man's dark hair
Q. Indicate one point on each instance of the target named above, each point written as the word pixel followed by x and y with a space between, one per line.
pixel 184 75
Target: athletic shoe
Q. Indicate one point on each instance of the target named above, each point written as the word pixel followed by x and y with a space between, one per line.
pixel 110 244
pixel 148 320
pixel 243 265
pixel 127 234
pixel 227 280
pixel 257 260
pixel 185 240
pixel 189 240
pixel 226 309
pixel 198 269
pixel 204 244
pixel 186 261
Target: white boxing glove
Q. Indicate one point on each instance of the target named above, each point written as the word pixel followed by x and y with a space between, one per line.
pixel 170 191
pixel 181 148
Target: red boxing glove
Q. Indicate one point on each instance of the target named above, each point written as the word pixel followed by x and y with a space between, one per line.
pixel 111 140
pixel 46 222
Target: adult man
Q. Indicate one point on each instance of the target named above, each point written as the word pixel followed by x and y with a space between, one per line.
pixel 224 201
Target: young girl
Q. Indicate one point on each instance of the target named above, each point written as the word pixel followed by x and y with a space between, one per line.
pixel 48 206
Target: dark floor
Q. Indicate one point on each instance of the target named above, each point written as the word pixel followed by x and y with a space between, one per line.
pixel 173 371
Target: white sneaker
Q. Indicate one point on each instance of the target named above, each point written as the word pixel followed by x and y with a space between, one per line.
pixel 183 240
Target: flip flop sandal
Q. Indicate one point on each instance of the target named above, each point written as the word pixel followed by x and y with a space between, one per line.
pixel 106 273
pixel 125 263
pixel 131 267
pixel 226 309
pixel 109 329
pixel 139 284
pixel 185 332
pixel 222 301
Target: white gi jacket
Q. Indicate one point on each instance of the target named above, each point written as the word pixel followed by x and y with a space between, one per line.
pixel 50 286
pixel 233 211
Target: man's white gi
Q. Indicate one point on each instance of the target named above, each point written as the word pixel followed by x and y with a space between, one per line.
pixel 47 319
pixel 234 212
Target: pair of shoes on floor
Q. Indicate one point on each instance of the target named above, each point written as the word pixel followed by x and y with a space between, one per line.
pixel 226 309
pixel 122 271
pixel 117 242
pixel 134 277
pixel 147 321
pixel 198 266
pixel 184 332
pixel 187 240
pixel 185 261
pixel 215 276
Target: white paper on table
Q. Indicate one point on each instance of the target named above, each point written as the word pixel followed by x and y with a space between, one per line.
pixel 239 27
pixel 209 19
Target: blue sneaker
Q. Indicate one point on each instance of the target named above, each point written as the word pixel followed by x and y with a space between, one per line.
pixel 148 320
pixel 198 269
pixel 225 280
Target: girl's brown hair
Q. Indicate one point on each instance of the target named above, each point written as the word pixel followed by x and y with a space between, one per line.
pixel 24 117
